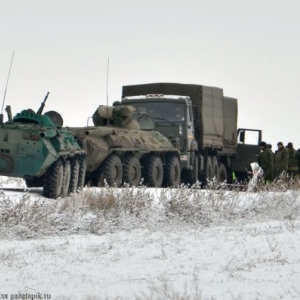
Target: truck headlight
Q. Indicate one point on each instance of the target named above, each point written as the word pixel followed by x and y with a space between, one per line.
pixel 180 130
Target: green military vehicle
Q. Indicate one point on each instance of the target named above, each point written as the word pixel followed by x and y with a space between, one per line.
pixel 205 123
pixel 35 148
pixel 119 152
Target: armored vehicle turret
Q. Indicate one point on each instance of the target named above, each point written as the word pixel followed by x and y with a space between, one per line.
pixel 35 147
pixel 121 149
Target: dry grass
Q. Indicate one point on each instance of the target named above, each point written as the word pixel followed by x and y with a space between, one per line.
pixel 164 290
pixel 94 210
pixel 109 209
pixel 7 257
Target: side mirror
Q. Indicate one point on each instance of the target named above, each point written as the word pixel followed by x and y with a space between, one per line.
pixel 242 137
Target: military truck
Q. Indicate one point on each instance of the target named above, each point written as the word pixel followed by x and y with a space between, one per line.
pixel 122 150
pixel 205 123
pixel 35 148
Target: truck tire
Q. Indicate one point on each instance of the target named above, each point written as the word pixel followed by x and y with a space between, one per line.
pixel 172 171
pixel 53 180
pixel 66 180
pixel 74 175
pixel 193 174
pixel 113 171
pixel 209 170
pixel 215 169
pixel 81 173
pixel 222 173
pixel 132 171
pixel 154 171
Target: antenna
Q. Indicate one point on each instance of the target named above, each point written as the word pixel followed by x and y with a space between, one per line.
pixel 12 58
pixel 107 73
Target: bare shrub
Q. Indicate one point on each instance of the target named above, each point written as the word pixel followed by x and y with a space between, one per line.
pixel 282 183
pixel 100 201
pixel 101 210
pixel 113 208
pixel 165 291
pixel 7 257
pixel 220 204
pixel 94 210
pixel 184 204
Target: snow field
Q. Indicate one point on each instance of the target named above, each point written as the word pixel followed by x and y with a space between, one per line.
pixel 139 243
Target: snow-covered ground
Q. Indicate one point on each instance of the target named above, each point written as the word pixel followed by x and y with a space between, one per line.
pixel 150 244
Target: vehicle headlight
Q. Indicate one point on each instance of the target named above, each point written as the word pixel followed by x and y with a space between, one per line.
pixel 180 130
pixel 183 157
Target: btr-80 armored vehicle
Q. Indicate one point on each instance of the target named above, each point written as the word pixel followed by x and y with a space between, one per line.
pixel 121 150
pixel 34 147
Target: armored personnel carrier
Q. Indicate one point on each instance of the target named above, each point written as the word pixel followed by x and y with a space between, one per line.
pixel 121 149
pixel 33 146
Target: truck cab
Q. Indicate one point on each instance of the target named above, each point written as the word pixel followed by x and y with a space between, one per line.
pixel 172 116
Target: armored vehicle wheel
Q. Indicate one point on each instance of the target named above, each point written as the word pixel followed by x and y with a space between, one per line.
pixel 113 172
pixel 66 180
pixel 222 173
pixel 132 171
pixel 81 173
pixel 193 174
pixel 215 169
pixel 74 175
pixel 172 171
pixel 154 171
pixel 53 180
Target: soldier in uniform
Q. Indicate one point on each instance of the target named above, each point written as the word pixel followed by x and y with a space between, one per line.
pixel 266 162
pixel 281 160
pixel 293 164
pixel 299 160
pixel 273 156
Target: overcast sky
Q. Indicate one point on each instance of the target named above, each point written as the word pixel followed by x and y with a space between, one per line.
pixel 251 49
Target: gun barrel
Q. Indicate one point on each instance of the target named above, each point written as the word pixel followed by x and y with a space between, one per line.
pixel 40 110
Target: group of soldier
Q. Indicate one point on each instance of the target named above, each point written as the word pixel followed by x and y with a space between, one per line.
pixel 284 162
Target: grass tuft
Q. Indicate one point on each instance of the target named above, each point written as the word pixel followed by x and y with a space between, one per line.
pixel 102 210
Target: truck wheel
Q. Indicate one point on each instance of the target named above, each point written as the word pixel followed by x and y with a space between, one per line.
pixel 154 171
pixel 113 172
pixel 132 171
pixel 172 171
pixel 66 180
pixel 215 169
pixel 74 175
pixel 193 174
pixel 53 180
pixel 209 170
pixel 222 173
pixel 81 173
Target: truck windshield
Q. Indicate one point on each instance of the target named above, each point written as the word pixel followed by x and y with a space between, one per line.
pixel 173 112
